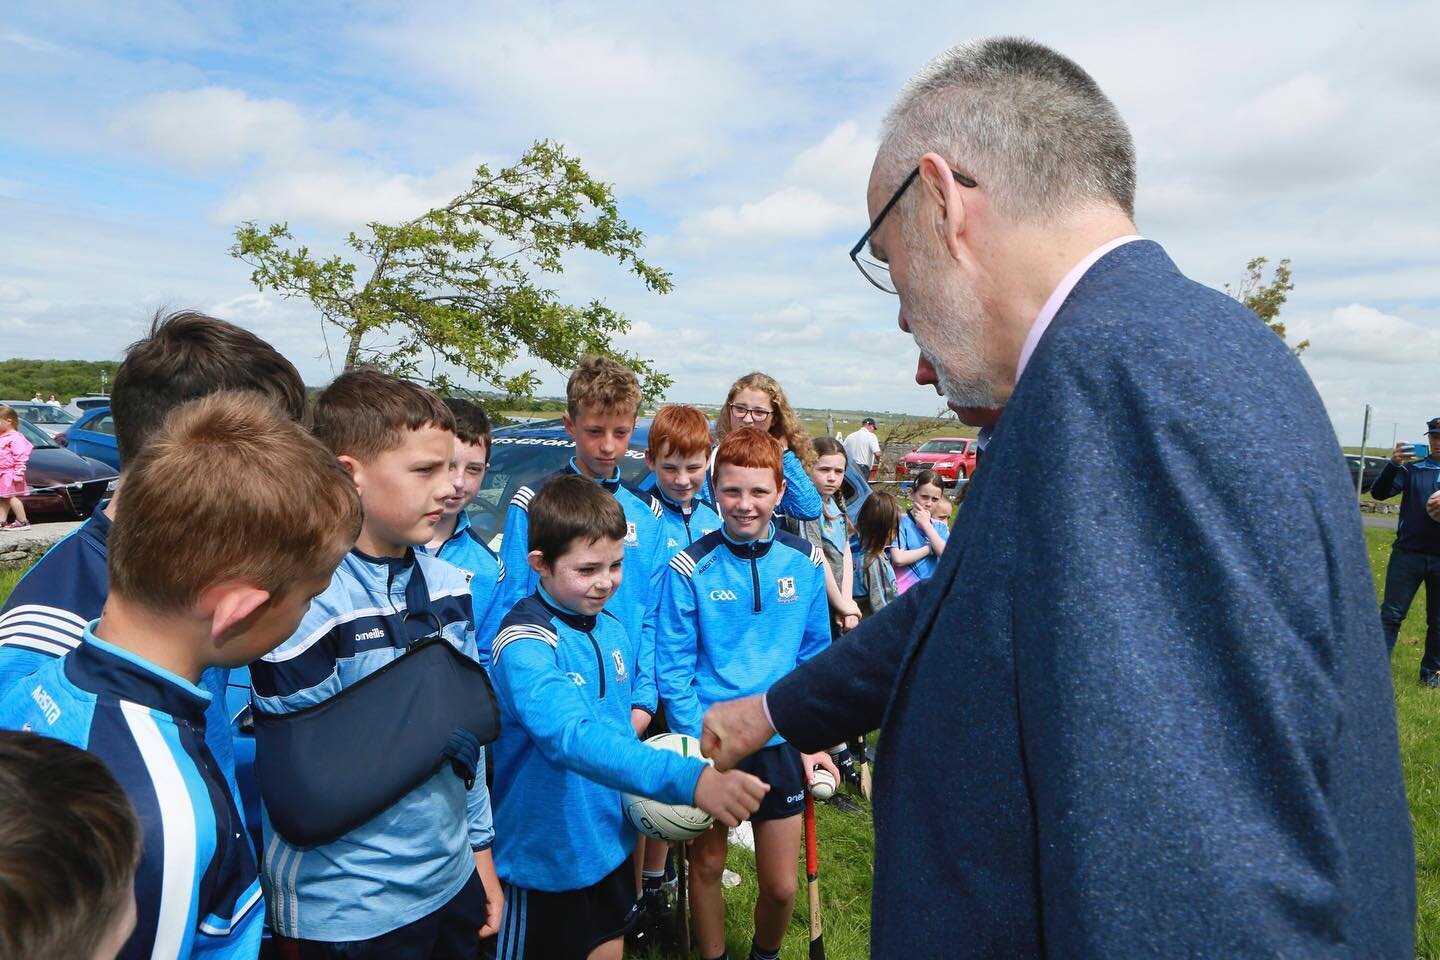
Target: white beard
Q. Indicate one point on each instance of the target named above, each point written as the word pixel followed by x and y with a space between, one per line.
pixel 946 319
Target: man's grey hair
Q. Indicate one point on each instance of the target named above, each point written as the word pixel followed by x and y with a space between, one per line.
pixel 1028 124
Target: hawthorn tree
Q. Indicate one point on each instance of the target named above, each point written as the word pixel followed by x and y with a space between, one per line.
pixel 464 284
pixel 1266 299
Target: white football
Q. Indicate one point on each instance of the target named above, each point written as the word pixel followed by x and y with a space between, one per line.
pixel 675 822
pixel 824 786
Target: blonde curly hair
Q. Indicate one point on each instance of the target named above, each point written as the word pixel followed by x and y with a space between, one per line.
pixel 783 424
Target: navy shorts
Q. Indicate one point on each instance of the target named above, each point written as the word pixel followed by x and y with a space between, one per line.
pixel 781 767
pixel 537 925
pixel 450 933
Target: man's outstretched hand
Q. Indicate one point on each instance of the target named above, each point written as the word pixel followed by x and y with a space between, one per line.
pixel 734 730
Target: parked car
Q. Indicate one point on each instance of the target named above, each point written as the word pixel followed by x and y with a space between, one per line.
pixel 1373 466
pixel 62 483
pixel 81 405
pixel 952 458
pixel 93 435
pixel 53 420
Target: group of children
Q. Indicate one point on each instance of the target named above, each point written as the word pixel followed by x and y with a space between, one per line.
pixel 322 557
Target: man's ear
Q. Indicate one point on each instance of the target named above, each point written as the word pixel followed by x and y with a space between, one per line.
pixel 938 185
pixel 537 563
pixel 230 603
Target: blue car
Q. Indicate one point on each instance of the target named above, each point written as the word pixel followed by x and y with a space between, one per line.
pixel 93 436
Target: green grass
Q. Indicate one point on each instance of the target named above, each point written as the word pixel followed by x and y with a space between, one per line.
pixel 1418 709
pixel 8 579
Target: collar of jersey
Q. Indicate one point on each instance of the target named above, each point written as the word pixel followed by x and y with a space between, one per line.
pixel 674 507
pixel 101 667
pixel 462 523
pixel 575 621
pixel 391 567
pixel 750 548
pixel 611 483
pixel 97 528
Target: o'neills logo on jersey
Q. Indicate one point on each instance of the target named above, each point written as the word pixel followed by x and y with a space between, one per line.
pixel 619 664
pixel 377 633
pixel 787 589
pixel 630 538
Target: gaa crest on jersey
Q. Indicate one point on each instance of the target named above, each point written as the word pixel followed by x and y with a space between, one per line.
pixel 787 589
pixel 619 664
pixel 630 538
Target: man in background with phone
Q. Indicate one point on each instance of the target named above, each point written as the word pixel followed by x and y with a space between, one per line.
pixel 1414 473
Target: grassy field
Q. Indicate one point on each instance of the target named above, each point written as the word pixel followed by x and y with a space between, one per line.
pixel 846 840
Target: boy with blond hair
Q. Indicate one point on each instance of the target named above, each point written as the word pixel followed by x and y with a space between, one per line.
pixel 740 608
pixel 415 880
pixel 563 668
pixel 602 404
pixel 217 584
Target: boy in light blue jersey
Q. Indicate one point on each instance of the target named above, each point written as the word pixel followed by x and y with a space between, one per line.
pixel 678 455
pixel 740 608
pixel 416 881
pixel 563 668
pixel 455 540
pixel 214 585
pixel 603 401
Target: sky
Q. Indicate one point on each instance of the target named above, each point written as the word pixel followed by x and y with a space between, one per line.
pixel 738 136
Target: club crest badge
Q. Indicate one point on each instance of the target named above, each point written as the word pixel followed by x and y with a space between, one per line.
pixel 630 538
pixel 787 589
pixel 619 664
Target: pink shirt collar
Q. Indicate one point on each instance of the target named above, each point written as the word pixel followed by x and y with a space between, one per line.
pixel 1052 306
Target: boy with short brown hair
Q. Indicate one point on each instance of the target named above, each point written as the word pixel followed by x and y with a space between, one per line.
pixel 417 879
pixel 215 584
pixel 69 846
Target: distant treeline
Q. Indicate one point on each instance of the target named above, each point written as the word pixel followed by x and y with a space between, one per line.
pixel 22 379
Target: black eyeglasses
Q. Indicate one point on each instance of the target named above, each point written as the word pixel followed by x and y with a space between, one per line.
pixel 877 272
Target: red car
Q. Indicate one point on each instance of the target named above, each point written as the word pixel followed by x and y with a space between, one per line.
pixel 953 458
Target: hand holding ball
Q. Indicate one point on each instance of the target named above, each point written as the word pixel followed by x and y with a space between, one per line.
pixel 822 787
pixel 675 822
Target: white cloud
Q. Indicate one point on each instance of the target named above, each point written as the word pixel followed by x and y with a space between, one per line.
pixel 787 213
pixel 220 127
pixel 1362 334
pixel 12 292
pixel 333 196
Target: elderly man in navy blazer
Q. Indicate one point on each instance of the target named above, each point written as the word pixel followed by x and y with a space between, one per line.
pixel 1143 708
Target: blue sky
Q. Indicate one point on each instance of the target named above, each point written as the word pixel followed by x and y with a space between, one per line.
pixel 739 137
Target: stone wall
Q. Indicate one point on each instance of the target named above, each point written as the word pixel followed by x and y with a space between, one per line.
pixel 19 549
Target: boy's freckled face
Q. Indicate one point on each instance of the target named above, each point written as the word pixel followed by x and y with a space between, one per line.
pixel 601 439
pixel 586 576
pixel 403 490
pixel 467 473
pixel 746 498
pixel 678 475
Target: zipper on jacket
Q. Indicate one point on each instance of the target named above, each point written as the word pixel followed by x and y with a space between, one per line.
pixel 599 663
pixel 755 579
pixel 690 537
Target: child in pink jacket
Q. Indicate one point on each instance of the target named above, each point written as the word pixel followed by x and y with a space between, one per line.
pixel 14 455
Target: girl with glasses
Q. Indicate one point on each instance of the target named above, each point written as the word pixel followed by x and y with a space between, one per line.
pixel 756 400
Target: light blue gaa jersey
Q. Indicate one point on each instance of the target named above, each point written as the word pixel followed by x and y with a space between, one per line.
pixel 197 893
pixel 567 749
pixel 413 857
pixel 734 618
pixel 467 551
pixel 682 526
pixel 645 557
pixel 45 615
pixel 911 537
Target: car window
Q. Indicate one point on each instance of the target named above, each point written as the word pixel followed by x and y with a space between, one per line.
pixel 517 461
pixel 942 446
pixel 38 438
pixel 104 424
pixel 44 413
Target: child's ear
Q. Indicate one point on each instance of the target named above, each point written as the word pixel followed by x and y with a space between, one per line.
pixel 781 492
pixel 569 424
pixel 352 467
pixel 537 563
pixel 649 462
pixel 230 603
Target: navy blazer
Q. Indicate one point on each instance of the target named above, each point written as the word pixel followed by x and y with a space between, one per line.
pixel 1143 708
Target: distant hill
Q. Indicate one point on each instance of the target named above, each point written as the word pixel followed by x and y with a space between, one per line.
pixel 21 379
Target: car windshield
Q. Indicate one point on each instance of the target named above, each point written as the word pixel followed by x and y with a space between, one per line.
pixel 516 461
pixel 43 413
pixel 38 438
pixel 942 446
